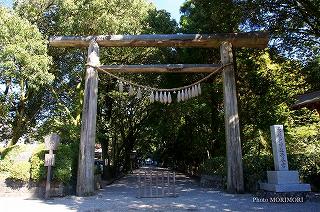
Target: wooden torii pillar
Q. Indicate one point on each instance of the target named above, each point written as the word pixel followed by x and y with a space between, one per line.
pixel 231 121
pixel 226 41
pixel 85 177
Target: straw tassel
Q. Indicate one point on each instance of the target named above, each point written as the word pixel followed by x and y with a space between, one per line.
pixel 151 97
pixel 182 96
pixel 178 97
pixel 189 93
pixel 165 98
pixel 196 90
pixel 199 89
pixel 139 94
pixel 120 87
pixel 169 98
pixel 186 96
pixel 130 90
pixel 193 93
pixel 161 97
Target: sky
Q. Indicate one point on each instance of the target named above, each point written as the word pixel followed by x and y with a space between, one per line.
pixel 7 3
pixel 172 6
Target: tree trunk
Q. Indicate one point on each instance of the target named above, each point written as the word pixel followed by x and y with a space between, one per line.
pixel 19 123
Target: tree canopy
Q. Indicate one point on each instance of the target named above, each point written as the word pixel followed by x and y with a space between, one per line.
pixel 24 69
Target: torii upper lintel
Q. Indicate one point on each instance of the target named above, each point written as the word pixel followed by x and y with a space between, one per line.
pixel 238 40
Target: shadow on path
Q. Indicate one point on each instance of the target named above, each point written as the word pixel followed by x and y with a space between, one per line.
pixel 122 196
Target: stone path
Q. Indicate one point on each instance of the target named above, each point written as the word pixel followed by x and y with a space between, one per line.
pixel 122 196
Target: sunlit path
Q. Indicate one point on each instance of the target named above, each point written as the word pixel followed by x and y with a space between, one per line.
pixel 122 196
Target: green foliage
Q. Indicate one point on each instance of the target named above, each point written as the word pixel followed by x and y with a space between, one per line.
pixel 255 169
pixel 24 66
pixel 12 152
pixel 64 99
pixel 85 17
pixel 308 165
pixel 20 171
pixel 23 48
pixel 33 168
pixel 65 168
pixel 209 17
pixel 303 143
pixel 214 166
pixel 312 73
pixel 15 162
pixel 159 22
pixel 4 165
pixel 294 25
pixel 267 87
pixel 37 169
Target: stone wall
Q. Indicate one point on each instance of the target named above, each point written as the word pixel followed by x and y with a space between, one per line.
pixel 9 188
pixel 214 181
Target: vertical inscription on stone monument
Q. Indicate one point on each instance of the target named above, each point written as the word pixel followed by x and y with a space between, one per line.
pixel 282 148
pixel 279 148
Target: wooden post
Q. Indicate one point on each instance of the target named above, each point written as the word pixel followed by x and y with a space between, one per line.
pixel 139 181
pixel 233 143
pixel 162 178
pixel 174 184
pixel 85 179
pixel 157 194
pixel 145 184
pixel 47 194
pixel 168 178
pixel 150 183
pixel 51 141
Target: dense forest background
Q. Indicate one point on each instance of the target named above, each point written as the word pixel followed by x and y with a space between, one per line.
pixel 41 87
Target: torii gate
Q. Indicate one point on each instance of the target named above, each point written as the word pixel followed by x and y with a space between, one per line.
pixel 85 178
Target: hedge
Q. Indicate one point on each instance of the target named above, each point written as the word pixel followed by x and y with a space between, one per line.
pixel 14 164
pixel 255 168
pixel 33 169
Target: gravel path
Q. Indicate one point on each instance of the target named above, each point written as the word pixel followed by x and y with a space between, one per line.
pixel 122 196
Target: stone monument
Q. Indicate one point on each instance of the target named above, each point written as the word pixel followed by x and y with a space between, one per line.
pixel 282 180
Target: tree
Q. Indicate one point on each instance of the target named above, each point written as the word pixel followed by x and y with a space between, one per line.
pixel 211 16
pixel 312 73
pixel 24 66
pixel 294 25
pixel 266 81
pixel 64 105
pixel 94 18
